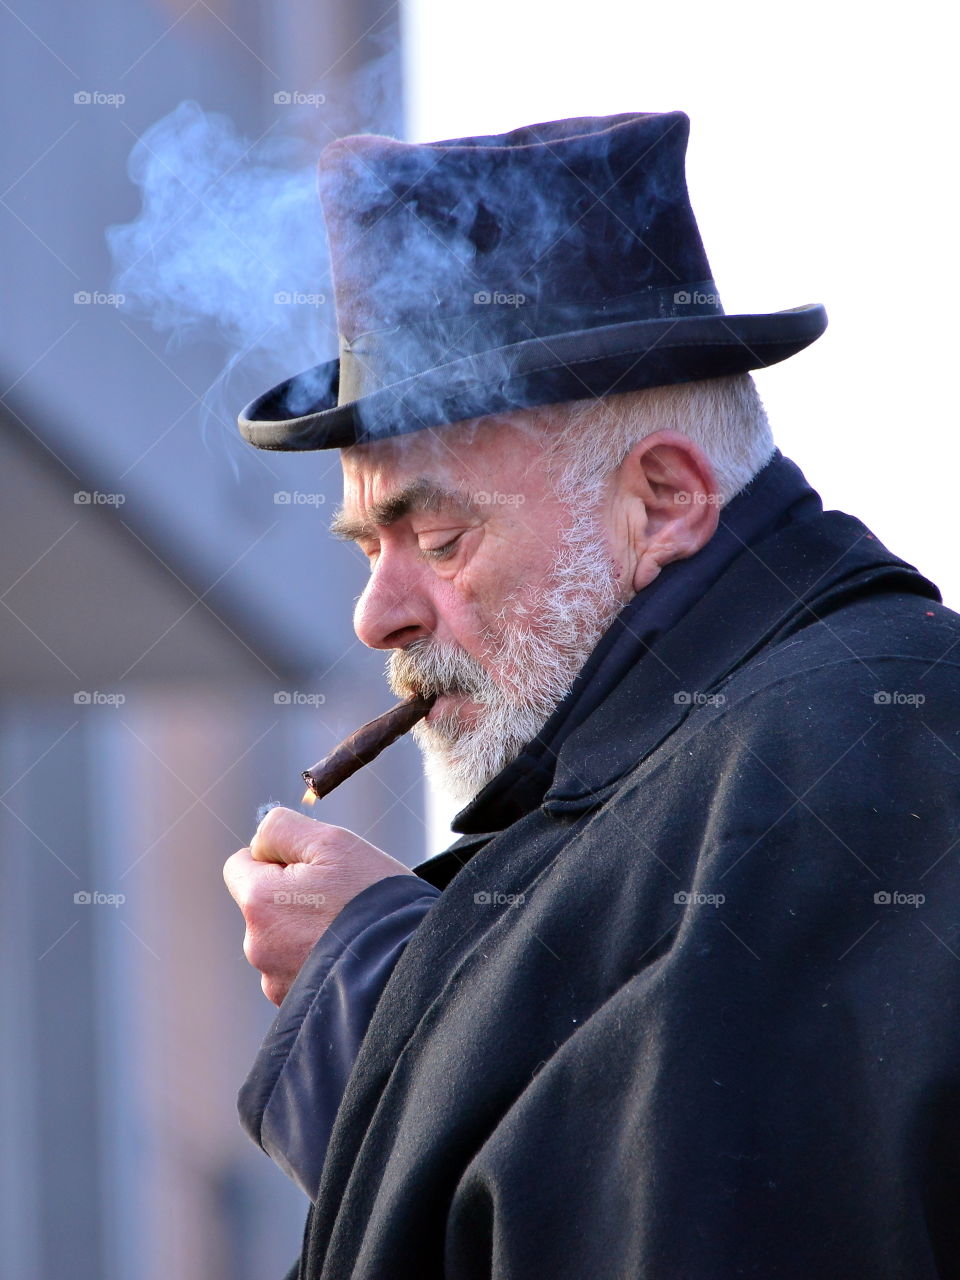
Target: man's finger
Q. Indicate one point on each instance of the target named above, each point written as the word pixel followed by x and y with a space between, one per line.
pixel 240 871
pixel 285 836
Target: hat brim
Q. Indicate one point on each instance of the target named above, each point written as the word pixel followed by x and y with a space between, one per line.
pixel 600 361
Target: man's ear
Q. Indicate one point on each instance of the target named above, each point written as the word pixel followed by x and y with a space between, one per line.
pixel 669 498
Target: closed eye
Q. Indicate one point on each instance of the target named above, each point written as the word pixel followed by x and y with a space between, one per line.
pixel 442 552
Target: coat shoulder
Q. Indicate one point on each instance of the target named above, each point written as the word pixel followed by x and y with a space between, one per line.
pixel 888 645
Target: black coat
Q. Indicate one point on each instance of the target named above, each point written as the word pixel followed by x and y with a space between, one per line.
pixel 688 1018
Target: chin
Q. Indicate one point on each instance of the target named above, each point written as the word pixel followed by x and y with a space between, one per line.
pixel 451 782
pixel 460 765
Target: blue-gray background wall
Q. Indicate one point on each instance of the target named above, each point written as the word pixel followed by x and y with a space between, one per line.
pixel 175 644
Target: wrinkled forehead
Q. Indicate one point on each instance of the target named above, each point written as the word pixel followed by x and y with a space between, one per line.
pixel 401 457
pixel 462 456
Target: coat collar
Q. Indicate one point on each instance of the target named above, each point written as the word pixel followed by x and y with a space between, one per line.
pixel 793 579
pixel 776 563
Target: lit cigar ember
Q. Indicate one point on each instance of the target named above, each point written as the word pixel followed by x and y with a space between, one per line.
pixel 363 746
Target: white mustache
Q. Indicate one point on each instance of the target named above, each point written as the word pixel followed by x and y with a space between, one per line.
pixel 428 667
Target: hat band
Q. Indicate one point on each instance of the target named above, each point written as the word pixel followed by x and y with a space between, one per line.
pixel 383 357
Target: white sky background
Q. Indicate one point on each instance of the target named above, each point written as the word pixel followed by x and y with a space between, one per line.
pixel 822 168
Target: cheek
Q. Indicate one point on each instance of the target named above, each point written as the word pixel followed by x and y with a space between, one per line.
pixel 515 561
pixel 494 585
pixel 461 613
pixel 472 606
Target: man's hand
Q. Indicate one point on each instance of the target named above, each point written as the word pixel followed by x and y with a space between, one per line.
pixel 290 884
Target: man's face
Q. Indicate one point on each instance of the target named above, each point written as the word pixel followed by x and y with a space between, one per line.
pixel 488 589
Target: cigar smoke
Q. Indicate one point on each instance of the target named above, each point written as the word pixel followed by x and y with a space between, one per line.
pixel 264 809
pixel 229 243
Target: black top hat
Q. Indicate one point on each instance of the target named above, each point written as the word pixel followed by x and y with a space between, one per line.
pixel 479 275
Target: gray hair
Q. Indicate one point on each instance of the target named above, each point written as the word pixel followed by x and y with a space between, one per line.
pixel 588 439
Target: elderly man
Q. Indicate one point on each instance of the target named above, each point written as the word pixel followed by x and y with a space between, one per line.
pixel 682 1001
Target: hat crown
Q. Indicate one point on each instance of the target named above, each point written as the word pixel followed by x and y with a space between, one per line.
pixel 543 229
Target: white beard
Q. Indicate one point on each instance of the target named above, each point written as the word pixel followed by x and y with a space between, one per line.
pixel 538 647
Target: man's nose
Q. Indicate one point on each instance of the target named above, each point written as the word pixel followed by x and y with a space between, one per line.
pixel 394 609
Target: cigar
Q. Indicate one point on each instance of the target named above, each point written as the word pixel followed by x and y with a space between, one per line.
pixel 364 745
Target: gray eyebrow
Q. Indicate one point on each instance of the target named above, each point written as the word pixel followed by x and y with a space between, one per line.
pixel 422 494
